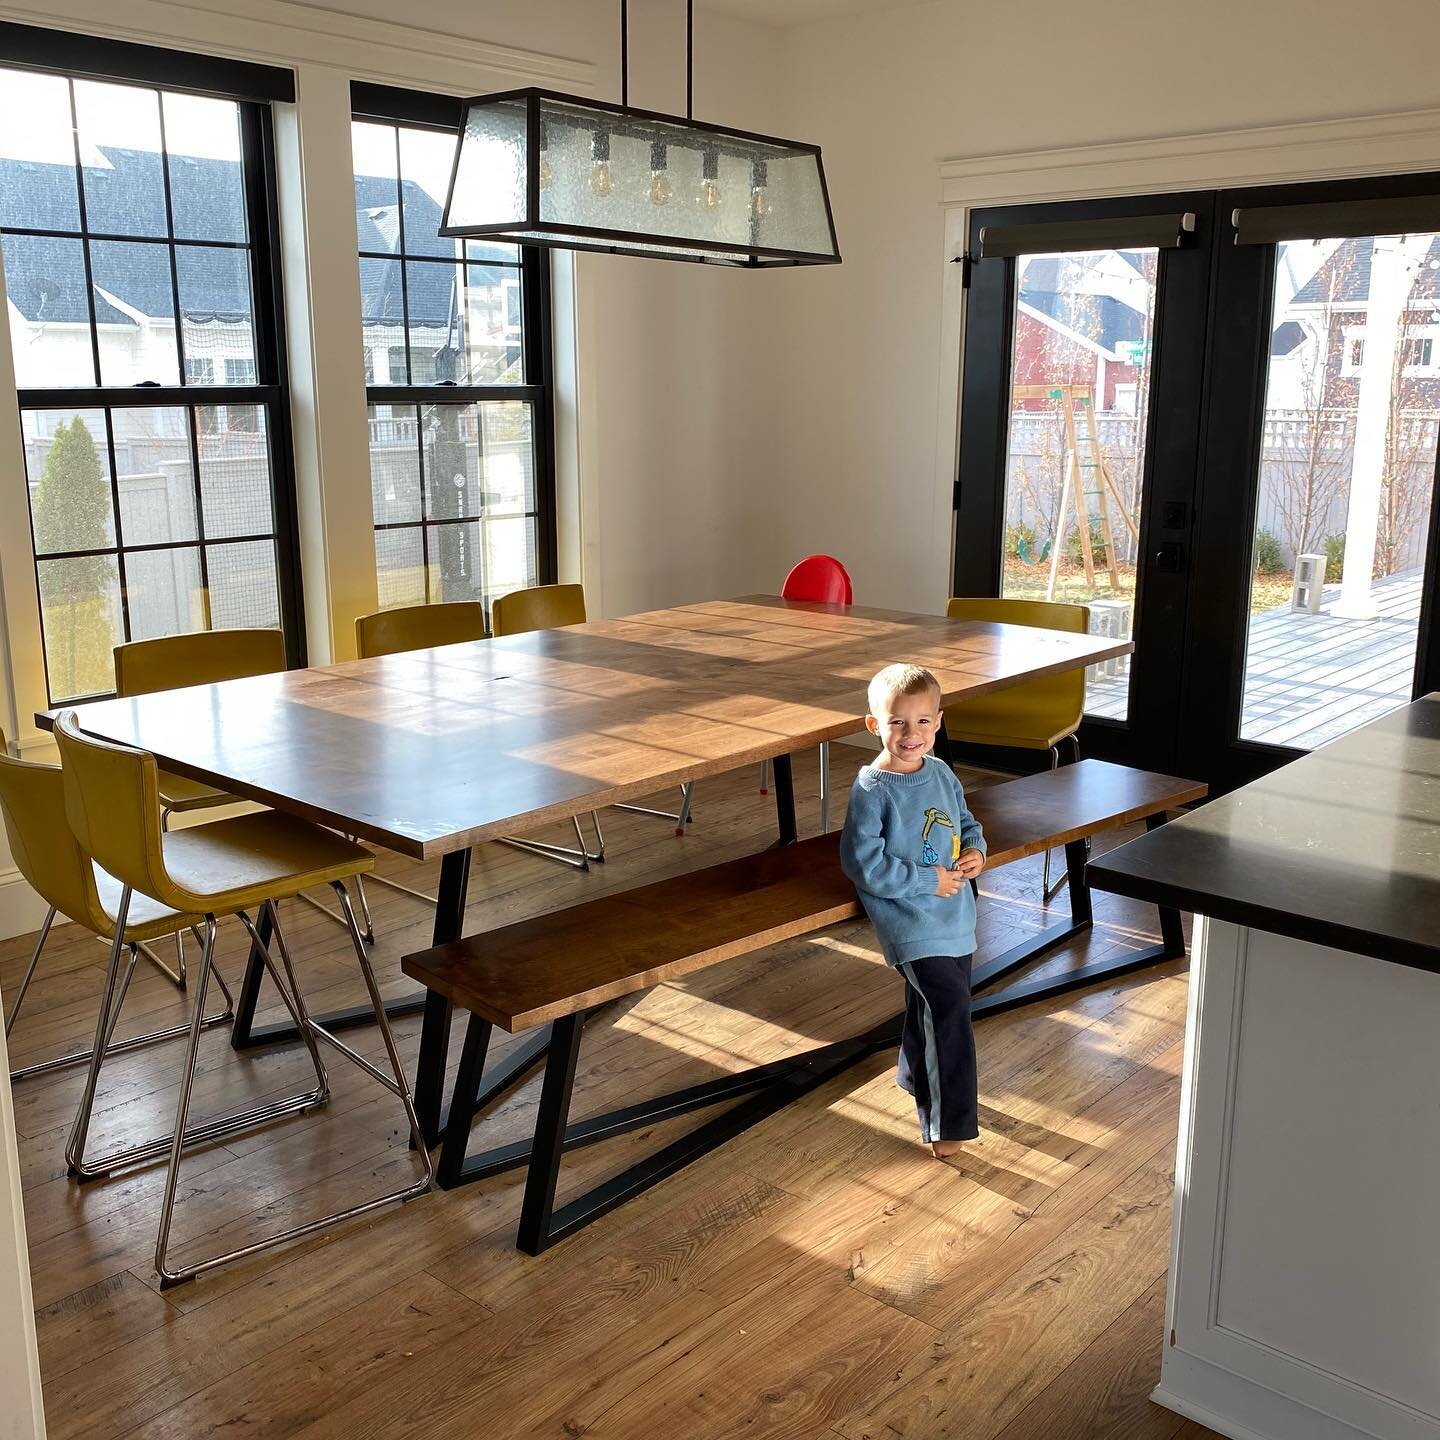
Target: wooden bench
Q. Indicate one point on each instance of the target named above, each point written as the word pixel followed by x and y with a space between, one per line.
pixel 554 969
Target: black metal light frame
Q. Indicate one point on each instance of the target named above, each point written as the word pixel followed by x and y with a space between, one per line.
pixel 531 230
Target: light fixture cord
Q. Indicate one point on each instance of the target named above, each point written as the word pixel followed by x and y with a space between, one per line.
pixel 625 52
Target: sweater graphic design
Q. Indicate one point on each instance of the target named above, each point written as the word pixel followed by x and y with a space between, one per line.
pixel 929 854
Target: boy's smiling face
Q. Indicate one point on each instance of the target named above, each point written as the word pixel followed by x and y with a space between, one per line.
pixel 907 726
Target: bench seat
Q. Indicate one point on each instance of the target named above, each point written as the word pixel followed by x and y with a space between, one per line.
pixel 555 968
pixel 568 961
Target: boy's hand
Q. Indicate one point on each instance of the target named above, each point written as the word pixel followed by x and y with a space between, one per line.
pixel 948 882
pixel 970 863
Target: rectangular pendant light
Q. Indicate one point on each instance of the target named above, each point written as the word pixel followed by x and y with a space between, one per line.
pixel 538 168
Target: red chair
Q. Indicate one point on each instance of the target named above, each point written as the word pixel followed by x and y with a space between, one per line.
pixel 821 578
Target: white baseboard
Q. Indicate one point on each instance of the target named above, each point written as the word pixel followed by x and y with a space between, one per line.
pixel 21 909
pixel 1244 1409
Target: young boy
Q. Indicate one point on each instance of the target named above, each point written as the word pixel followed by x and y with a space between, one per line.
pixel 911 846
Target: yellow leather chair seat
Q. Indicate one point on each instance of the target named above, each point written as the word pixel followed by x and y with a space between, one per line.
pixel 235 864
pixel 1002 730
pixel 148 919
pixel 180 793
pixel 1037 714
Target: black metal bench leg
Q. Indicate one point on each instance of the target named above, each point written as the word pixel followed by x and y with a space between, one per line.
pixel 1081 910
pixel 539 1203
pixel 249 995
pixel 464 1101
pixel 1172 932
pixel 784 781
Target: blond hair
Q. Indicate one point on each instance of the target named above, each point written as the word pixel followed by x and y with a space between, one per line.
pixel 896 680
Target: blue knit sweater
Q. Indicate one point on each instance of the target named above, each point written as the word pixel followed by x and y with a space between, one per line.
pixel 897 829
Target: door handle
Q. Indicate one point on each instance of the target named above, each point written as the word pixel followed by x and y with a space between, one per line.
pixel 1170 557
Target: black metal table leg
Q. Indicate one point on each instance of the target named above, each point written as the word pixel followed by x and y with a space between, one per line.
pixel 539 1202
pixel 784 782
pixel 242 1026
pixel 943 749
pixel 435 1027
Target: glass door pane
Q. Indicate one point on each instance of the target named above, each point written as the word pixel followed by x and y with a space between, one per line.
pixel 1347 471
pixel 1082 333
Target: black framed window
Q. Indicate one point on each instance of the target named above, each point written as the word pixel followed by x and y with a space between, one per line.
pixel 141 265
pixel 457 370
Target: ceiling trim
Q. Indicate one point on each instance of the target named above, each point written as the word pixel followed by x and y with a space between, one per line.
pixel 290 32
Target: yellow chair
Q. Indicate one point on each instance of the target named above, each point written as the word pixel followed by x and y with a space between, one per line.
pixel 1041 714
pixel 32 805
pixel 171 662
pixel 419 627
pixel 144 667
pixel 112 800
pixel 552 607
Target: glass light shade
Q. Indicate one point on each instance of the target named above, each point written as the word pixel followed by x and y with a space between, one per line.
pixel 734 198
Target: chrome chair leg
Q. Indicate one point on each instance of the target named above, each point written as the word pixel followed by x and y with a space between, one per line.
pixel 29 974
pixel 579 858
pixel 85 1169
pixel 398 1085
pixel 681 817
pixel 339 919
pixel 75 1146
pixel 764 777
pixel 112 1046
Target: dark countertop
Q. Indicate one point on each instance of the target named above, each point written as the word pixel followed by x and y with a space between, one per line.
pixel 1341 847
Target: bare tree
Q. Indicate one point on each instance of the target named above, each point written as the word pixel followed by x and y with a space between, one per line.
pixel 1309 459
pixel 1409 458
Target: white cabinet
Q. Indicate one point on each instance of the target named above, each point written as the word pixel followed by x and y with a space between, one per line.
pixel 1305 1270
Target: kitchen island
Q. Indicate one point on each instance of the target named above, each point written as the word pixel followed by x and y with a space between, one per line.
pixel 1304 1295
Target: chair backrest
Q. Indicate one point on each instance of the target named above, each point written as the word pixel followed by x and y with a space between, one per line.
pixel 538 607
pixel 819 577
pixel 173 661
pixel 32 803
pixel 1051 705
pixel 419 627
pixel 112 800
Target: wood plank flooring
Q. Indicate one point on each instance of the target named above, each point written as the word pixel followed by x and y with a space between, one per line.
pixel 820 1276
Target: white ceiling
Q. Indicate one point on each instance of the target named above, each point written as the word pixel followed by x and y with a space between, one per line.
pixel 798 12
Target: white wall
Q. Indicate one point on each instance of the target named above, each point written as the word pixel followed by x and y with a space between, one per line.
pixel 889 94
pixel 666 412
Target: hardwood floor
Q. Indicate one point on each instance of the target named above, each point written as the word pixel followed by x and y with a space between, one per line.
pixel 820 1276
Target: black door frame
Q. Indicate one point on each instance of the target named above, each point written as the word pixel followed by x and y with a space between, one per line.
pixel 1229 484
pixel 1172 440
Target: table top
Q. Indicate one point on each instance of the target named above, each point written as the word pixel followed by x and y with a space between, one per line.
pixel 433 750
pixel 1341 847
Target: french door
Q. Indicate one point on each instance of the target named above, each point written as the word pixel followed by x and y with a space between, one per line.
pixel 1212 418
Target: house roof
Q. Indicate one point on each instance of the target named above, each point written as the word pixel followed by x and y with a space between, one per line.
pixel 1102 320
pixel 1349 269
pixel 45 275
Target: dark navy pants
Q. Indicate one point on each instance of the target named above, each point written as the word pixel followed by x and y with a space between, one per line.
pixel 937 1047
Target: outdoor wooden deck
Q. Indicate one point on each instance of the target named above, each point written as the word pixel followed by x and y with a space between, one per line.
pixel 1312 678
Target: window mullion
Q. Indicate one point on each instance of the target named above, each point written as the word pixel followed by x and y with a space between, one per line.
pixel 84 231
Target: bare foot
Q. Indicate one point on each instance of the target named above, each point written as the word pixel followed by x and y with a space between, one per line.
pixel 944 1149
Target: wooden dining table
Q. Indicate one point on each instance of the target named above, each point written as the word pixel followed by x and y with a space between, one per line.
pixel 430 752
